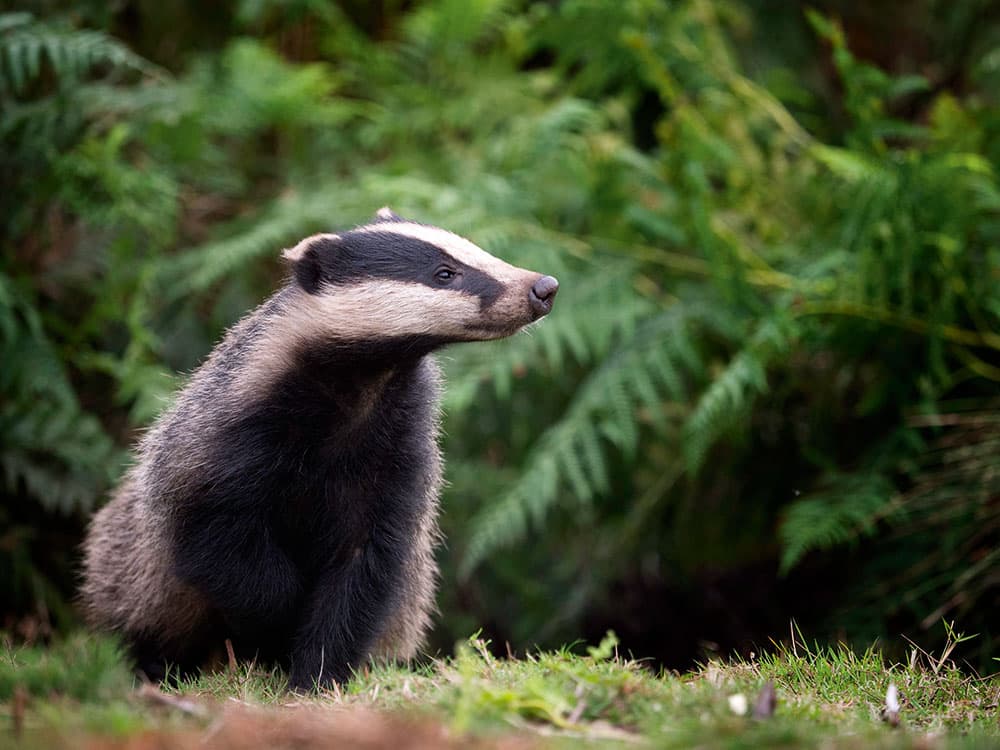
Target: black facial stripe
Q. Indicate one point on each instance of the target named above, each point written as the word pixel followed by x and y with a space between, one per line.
pixel 355 256
pixel 480 284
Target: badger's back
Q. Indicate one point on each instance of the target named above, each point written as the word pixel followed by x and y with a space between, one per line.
pixel 128 585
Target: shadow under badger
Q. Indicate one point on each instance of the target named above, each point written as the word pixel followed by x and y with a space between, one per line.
pixel 288 499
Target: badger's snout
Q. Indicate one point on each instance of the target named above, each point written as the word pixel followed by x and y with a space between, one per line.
pixel 542 295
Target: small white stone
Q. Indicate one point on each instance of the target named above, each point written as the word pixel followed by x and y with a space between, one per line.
pixel 738 704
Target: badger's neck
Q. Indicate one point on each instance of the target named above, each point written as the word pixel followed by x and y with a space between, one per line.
pixel 290 380
pixel 268 396
pixel 282 341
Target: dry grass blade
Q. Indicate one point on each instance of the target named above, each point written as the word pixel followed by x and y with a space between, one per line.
pixel 231 655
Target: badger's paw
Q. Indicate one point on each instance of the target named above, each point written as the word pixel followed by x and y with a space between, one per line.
pixel 306 681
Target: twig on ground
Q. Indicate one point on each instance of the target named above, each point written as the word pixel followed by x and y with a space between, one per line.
pixel 17 710
pixel 154 695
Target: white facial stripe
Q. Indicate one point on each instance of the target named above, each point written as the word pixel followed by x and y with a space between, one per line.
pixel 374 309
pixel 379 308
pixel 294 253
pixel 457 247
pixel 368 310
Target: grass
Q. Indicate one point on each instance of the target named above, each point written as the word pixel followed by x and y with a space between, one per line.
pixel 82 691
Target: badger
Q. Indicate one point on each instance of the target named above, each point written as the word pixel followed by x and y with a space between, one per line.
pixel 287 500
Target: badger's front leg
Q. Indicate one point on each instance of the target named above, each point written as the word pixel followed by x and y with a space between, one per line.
pixel 229 555
pixel 347 610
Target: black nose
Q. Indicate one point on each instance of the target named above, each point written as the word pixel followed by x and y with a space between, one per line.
pixel 542 294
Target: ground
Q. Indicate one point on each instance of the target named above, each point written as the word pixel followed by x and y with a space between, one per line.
pixel 80 693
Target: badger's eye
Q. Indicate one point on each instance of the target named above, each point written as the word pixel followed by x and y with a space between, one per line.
pixel 444 275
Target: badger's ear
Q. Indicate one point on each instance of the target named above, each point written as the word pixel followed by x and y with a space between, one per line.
pixel 305 260
pixel 387 214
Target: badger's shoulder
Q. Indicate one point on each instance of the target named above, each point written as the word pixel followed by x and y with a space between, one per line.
pixel 272 375
pixel 215 393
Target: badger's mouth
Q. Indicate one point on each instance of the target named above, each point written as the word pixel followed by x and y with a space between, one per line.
pixel 486 332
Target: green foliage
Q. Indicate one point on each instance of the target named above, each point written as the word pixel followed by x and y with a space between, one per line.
pixel 730 395
pixel 767 268
pixel 573 452
pixel 55 449
pixel 868 91
pixel 80 668
pixel 29 46
pixel 843 510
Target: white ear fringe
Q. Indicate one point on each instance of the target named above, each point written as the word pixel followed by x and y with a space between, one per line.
pixel 293 254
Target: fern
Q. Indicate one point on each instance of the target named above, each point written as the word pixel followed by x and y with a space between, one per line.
pixel 844 510
pixel 27 46
pixel 53 451
pixel 634 377
pixel 67 181
pixel 454 23
pixel 737 258
pixel 731 394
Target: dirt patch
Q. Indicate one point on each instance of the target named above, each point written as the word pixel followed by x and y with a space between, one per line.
pixel 234 727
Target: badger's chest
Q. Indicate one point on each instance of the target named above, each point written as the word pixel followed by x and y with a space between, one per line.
pixel 351 452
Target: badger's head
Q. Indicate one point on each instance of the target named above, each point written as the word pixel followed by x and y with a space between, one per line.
pixel 397 279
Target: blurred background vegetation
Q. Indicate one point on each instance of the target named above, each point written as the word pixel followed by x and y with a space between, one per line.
pixel 771 386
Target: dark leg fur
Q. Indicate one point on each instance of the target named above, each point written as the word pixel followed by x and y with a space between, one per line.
pixel 346 612
pixel 300 539
pixel 230 556
pixel 152 664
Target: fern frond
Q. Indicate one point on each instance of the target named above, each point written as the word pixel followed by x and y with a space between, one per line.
pixel 52 449
pixel 733 391
pixel 27 46
pixel 845 510
pixel 574 453
pixel 62 456
pixel 457 23
pixel 279 225
pixel 555 341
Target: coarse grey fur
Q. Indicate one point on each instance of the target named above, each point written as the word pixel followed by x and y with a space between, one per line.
pixel 295 479
pixel 144 595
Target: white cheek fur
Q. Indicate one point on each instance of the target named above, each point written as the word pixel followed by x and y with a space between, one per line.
pixel 364 311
